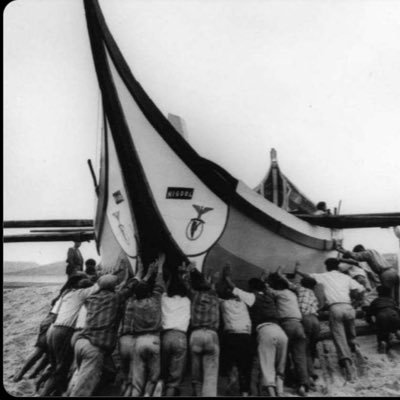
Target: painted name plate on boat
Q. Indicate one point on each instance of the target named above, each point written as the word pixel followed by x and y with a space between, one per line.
pixel 180 193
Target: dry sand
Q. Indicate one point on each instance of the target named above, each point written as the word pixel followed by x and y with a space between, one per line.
pixel 24 308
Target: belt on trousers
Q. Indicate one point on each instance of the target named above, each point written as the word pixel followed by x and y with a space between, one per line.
pixel 204 327
pixel 339 302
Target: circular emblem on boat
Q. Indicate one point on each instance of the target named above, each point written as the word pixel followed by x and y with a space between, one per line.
pixel 194 228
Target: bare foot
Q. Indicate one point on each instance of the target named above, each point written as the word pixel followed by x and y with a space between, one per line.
pixel 17 378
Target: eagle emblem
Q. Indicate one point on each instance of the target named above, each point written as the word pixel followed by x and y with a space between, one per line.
pixel 195 226
pixel 121 227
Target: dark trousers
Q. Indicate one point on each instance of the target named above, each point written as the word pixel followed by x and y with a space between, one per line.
pixel 61 356
pixel 311 329
pixel 297 348
pixel 238 350
pixel 387 321
pixel 390 279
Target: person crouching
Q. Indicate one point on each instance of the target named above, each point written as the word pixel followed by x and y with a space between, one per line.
pixel 97 340
pixel 387 317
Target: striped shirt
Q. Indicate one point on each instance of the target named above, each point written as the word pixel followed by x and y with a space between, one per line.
pixel 205 309
pixel 307 300
pixel 144 315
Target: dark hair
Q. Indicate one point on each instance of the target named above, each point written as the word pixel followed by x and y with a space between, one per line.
pixel 308 282
pixel 277 282
pixel 90 262
pixel 142 290
pixel 256 284
pixel 176 288
pixel 85 283
pixel 383 291
pixel 358 248
pixel 321 206
pixel 332 264
pixel 224 291
pixel 90 266
pixel 198 282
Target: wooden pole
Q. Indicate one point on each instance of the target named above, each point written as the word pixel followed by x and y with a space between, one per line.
pixel 50 237
pixel 49 223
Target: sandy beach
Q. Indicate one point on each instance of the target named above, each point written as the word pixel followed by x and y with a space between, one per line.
pixel 25 307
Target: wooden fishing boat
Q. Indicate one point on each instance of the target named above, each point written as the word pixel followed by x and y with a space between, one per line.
pixel 156 193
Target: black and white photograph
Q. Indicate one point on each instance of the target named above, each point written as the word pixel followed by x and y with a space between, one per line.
pixel 201 198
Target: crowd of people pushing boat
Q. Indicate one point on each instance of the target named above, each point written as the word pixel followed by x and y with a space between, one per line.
pixel 261 338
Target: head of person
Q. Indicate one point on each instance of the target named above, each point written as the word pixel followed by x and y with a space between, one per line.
pixel 224 291
pixel 277 282
pixel 256 285
pixel 361 279
pixel 107 282
pixel 90 266
pixel 383 291
pixel 85 283
pixel 73 281
pixel 176 288
pixel 359 248
pixel 332 264
pixel 321 206
pixel 308 282
pixel 143 290
pixel 77 244
pixel 199 282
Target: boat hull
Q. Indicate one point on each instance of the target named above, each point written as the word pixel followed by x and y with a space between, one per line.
pixel 157 194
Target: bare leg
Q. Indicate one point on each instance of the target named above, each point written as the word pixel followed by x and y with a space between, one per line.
pixel 35 356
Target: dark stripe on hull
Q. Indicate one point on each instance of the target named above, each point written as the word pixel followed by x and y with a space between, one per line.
pixel 250 248
pixel 153 235
pixel 103 186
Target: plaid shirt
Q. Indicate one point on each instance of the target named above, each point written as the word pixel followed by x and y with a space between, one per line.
pixel 205 309
pixel 104 311
pixel 307 300
pixel 144 315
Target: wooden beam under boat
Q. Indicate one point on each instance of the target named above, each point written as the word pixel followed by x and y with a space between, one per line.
pixel 58 230
pixel 49 223
pixel 348 221
pixel 50 237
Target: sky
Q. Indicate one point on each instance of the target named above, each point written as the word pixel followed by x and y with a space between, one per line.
pixel 317 80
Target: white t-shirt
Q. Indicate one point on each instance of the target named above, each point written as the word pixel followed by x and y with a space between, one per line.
pixel 71 303
pixel 175 312
pixel 337 286
pixel 236 316
pixel 81 320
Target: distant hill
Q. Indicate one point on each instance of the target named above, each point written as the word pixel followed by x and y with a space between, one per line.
pixel 12 267
pixel 56 268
